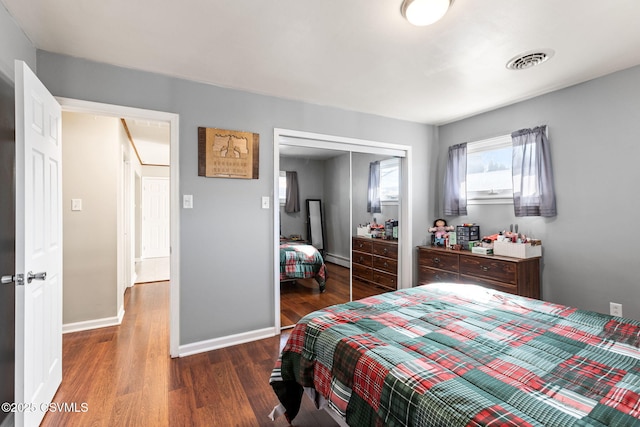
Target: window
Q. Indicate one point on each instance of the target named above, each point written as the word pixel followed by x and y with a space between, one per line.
pixel 489 177
pixel 282 187
pixel 390 180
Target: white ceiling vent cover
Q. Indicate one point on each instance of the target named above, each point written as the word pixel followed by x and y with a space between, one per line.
pixel 530 59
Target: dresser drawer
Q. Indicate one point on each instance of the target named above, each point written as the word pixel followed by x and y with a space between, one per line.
pixel 361 272
pixel 439 260
pixel 498 286
pixel 385 279
pixel 386 264
pixel 389 250
pixel 362 258
pixel 488 268
pixel 362 245
pixel 431 275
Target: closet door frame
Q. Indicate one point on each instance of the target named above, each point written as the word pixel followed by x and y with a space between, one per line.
pixel 351 145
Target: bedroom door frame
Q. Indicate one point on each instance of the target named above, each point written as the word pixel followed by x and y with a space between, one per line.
pixel 350 145
pixel 90 107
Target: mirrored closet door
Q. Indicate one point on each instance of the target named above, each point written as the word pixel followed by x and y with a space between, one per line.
pixel 375 229
pixel 314 240
pixel 336 174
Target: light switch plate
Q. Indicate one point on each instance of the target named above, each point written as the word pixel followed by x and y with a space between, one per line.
pixel 265 202
pixel 187 201
pixel 76 204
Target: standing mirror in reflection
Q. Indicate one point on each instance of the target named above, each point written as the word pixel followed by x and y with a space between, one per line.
pixel 315 224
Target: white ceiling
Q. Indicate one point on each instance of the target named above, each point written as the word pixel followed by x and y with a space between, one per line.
pixel 151 141
pixel 356 54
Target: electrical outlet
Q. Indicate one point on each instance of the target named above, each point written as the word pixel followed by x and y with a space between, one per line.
pixel 615 309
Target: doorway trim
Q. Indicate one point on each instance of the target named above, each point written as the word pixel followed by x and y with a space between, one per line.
pixel 90 107
pixel 351 145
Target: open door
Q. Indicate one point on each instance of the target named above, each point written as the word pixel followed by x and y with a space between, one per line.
pixel 38 272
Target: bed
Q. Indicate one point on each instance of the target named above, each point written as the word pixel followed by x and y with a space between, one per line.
pixel 462 355
pixel 301 261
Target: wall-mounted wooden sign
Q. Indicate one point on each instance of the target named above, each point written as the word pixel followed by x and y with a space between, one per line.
pixel 228 153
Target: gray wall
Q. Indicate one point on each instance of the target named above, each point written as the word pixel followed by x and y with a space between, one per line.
pixel 589 255
pixel 14 45
pixel 310 186
pixel 227 229
pixel 337 206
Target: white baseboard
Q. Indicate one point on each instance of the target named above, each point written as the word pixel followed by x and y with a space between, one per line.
pixel 338 259
pixel 228 341
pixel 93 324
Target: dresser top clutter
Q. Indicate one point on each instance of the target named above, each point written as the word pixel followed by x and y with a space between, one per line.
pixel 508 261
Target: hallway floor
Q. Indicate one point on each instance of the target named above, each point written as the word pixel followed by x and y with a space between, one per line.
pixel 153 270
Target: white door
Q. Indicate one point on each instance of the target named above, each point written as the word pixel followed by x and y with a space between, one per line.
pixel 38 247
pixel 155 217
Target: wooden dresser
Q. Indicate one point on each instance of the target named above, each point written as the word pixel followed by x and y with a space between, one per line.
pixel 375 261
pixel 513 275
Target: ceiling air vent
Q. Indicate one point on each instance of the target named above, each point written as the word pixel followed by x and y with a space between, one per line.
pixel 529 59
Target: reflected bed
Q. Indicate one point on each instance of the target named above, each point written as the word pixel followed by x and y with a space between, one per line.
pixel 301 261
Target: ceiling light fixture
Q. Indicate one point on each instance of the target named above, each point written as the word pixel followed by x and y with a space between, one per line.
pixel 424 12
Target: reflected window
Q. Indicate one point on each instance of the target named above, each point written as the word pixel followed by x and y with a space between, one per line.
pixel 390 180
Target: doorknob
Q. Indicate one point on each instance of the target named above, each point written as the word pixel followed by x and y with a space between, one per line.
pixel 18 278
pixel 37 276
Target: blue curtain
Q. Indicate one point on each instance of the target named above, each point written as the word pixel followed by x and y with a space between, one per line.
pixel 455 179
pixel 373 194
pixel 533 189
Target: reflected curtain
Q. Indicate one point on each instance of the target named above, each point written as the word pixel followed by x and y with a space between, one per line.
pixel 373 193
pixel 292 202
pixel 455 188
pixel 533 188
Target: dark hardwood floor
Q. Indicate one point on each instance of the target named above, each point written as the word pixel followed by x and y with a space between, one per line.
pixel 126 378
pixel 300 298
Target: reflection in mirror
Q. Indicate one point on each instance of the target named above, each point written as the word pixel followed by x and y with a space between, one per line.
pixel 376 209
pixel 321 175
pixel 339 179
pixel 315 225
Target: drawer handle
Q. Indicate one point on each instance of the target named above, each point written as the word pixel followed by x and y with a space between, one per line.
pixel 438 277
pixel 484 268
pixel 436 260
pixel 385 264
pixel 385 251
pixel 361 260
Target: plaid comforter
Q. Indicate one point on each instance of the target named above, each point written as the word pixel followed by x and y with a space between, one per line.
pixel 301 261
pixel 461 355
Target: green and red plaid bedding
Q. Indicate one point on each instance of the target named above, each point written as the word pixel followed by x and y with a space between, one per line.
pixel 301 261
pixel 462 355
